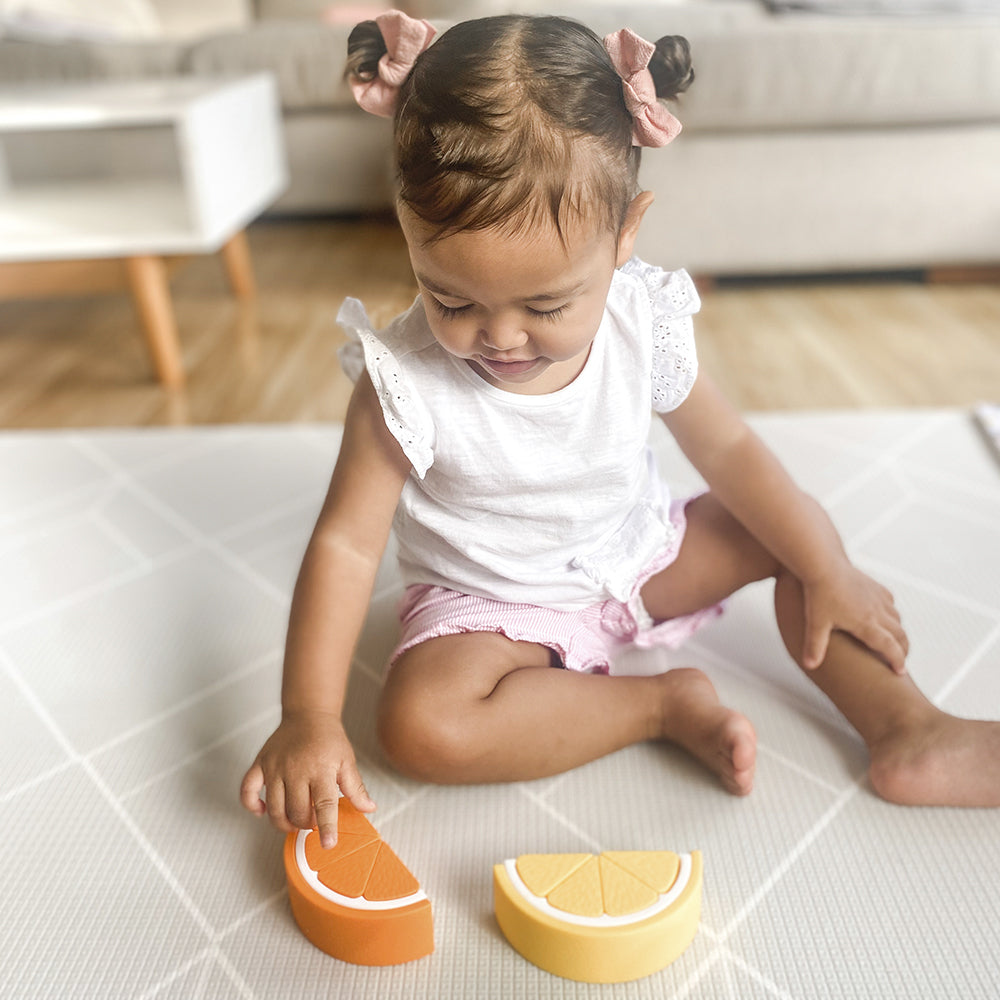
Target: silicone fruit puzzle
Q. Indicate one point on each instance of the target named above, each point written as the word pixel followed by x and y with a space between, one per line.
pixel 357 901
pixel 605 918
pixel 608 918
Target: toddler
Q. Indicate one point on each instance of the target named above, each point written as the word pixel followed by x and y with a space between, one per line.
pixel 500 426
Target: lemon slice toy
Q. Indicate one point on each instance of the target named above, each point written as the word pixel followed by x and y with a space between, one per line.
pixel 606 918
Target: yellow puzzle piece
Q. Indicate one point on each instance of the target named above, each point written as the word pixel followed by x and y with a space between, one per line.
pixel 605 918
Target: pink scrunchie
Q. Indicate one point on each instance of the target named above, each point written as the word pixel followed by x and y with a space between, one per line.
pixel 405 38
pixel 653 124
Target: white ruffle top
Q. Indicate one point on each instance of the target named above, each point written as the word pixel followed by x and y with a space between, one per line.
pixel 552 499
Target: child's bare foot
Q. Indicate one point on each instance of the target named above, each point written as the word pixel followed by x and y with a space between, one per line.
pixel 941 761
pixel 722 739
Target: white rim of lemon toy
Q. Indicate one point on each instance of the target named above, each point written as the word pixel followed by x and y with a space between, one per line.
pixel 663 903
pixel 358 903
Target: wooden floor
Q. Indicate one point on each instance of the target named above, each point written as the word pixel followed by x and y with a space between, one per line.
pixel 78 362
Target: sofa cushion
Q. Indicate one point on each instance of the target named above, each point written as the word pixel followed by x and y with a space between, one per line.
pixel 832 72
pixel 316 9
pixel 604 16
pixel 306 57
pixel 44 62
pixel 902 8
pixel 448 10
pixel 195 18
pixel 280 9
pixel 754 70
pixel 93 20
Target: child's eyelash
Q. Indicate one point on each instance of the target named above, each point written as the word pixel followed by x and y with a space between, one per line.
pixel 452 312
pixel 550 314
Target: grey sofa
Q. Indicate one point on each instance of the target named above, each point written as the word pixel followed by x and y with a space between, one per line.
pixel 813 141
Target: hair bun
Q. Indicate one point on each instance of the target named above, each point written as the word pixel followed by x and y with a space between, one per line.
pixel 671 67
pixel 365 46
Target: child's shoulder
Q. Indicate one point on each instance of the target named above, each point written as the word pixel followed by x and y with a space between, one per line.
pixel 387 356
pixel 406 336
pixel 668 301
pixel 408 333
pixel 669 293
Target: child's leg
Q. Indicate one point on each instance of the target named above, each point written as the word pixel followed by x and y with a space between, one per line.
pixel 478 707
pixel 919 754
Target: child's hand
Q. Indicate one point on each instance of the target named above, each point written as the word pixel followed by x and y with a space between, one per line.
pixel 305 766
pixel 852 602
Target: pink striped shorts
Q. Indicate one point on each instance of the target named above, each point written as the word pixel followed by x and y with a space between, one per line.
pixel 584 640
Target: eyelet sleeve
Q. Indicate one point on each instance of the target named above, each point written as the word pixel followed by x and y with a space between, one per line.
pixel 407 418
pixel 673 300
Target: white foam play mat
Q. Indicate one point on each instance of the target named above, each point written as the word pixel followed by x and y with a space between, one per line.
pixel 145 578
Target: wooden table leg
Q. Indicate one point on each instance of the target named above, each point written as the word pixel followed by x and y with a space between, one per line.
pixel 236 257
pixel 980 275
pixel 151 291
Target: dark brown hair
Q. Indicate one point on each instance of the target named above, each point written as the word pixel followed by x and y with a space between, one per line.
pixel 513 120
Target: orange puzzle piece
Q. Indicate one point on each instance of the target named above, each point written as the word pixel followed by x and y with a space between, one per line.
pixel 357 901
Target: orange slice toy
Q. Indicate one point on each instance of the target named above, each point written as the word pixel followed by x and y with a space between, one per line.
pixel 357 901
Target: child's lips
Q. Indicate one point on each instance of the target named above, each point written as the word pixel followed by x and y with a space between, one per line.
pixel 498 367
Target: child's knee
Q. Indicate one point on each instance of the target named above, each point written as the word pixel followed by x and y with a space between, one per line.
pixel 416 737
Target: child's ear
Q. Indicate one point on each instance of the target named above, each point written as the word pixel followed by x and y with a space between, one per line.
pixel 630 228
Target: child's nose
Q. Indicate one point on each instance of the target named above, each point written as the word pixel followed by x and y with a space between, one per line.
pixel 503 335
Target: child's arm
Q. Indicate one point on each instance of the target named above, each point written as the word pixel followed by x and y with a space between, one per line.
pixel 308 761
pixel 753 485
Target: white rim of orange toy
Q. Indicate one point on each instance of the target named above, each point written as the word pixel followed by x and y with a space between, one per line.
pixel 663 903
pixel 359 903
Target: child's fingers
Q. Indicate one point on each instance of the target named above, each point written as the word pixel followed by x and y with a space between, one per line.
pixel 250 789
pixel 298 805
pixel 815 652
pixel 898 649
pixel 326 801
pixel 354 788
pixel 276 806
pixel 325 806
pixel 894 644
pixel 899 634
pixel 887 642
pixel 892 648
pixel 814 646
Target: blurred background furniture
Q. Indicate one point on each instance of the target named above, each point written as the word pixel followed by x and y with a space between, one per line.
pixel 100 182
pixel 813 140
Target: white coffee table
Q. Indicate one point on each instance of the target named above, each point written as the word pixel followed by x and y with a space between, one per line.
pixel 100 183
